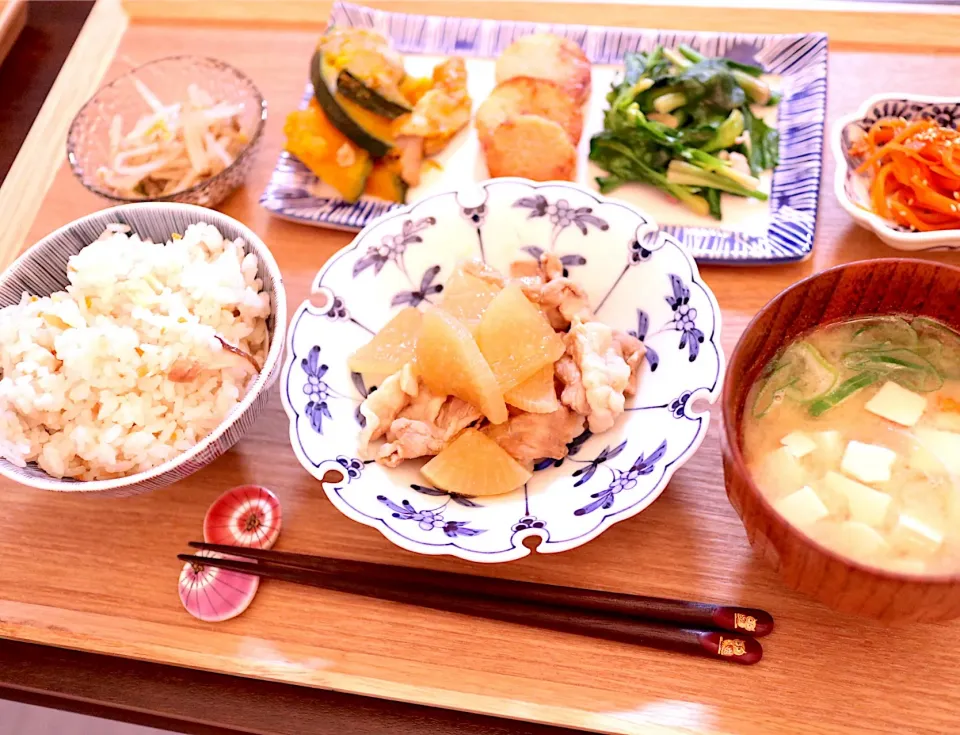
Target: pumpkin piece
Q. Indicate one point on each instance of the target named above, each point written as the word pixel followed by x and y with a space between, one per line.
pixel 370 131
pixel 385 181
pixel 380 103
pixel 343 45
pixel 364 68
pixel 413 88
pixel 327 152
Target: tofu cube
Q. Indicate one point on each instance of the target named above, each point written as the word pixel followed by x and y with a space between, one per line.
pixel 867 505
pixel 925 498
pixel 779 473
pixel 913 536
pixel 937 452
pixel 836 502
pixel 868 462
pixel 802 507
pixel 799 444
pixel 946 420
pixel 829 447
pixel 861 541
pixel 897 404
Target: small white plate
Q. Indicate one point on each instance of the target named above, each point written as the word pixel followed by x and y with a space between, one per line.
pixel 853 189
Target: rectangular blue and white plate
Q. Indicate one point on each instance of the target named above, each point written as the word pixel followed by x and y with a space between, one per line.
pixel 752 232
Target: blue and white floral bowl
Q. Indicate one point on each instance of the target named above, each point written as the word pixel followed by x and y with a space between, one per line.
pixel 639 279
pixel 853 190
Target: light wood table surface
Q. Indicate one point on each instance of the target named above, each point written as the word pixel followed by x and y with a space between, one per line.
pixel 100 575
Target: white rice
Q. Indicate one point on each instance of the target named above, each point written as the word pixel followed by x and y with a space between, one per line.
pixel 124 370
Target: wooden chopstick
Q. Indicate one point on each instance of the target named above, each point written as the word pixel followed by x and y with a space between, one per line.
pixel 708 643
pixel 742 620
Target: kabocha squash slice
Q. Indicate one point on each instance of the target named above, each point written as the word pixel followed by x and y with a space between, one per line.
pixel 352 88
pixel 327 152
pixel 368 130
pixel 385 181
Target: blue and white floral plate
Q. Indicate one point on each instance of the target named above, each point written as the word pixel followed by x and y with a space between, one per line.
pixel 853 189
pixel 751 232
pixel 639 279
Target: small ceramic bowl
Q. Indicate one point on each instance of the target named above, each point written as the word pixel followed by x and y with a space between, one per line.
pixel 852 189
pixel 42 269
pixel 885 286
pixel 88 141
pixel 638 278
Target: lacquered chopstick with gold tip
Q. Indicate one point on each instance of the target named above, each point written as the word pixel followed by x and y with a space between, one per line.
pixel 757 623
pixel 670 624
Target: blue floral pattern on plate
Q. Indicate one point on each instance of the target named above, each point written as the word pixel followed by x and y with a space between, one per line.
pixel 853 188
pixel 659 297
pixel 780 231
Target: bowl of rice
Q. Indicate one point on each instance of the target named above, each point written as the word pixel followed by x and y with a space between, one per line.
pixel 137 345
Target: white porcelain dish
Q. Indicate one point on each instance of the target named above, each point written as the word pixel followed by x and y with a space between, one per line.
pixel 852 189
pixel 639 279
pixel 751 233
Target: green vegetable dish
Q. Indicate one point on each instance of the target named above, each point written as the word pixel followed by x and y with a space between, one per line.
pixel 852 432
pixel 688 125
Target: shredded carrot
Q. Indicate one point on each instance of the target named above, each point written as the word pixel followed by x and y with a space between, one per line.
pixel 878 192
pixel 916 172
pixel 946 403
pixel 951 160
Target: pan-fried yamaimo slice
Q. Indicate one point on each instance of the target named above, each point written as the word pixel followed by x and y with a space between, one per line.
pixel 532 147
pixel 545 56
pixel 528 96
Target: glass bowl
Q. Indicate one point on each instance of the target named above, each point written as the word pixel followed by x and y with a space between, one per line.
pixel 88 141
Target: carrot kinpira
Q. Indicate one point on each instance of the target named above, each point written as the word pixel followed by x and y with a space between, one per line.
pixel 916 172
pixel 878 191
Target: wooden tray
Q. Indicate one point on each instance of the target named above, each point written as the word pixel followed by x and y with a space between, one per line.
pixel 13 17
pixel 60 586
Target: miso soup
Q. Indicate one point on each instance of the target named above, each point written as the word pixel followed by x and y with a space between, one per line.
pixel 852 432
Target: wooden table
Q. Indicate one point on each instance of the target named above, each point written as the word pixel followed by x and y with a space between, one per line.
pixel 13 17
pixel 32 64
pixel 100 575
